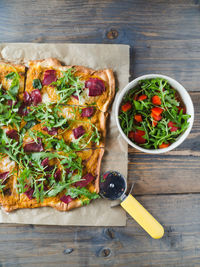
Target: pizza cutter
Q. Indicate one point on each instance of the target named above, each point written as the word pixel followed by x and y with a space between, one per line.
pixel 113 186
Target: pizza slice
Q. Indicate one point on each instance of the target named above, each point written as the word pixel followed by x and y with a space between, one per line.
pixel 79 127
pixel 10 147
pixel 49 81
pixel 11 94
pixel 60 180
pixel 86 127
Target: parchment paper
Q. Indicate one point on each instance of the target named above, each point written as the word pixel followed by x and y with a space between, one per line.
pixel 96 56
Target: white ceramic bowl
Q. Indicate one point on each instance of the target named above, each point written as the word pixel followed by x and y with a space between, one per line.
pixel 184 96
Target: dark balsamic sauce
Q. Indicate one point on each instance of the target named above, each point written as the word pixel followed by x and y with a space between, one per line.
pixel 112 185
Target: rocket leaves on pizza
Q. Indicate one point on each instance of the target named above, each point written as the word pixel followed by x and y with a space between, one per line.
pixel 52 133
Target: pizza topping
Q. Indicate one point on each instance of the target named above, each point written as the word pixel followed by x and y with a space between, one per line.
pixel 87 112
pixel 68 170
pixel 78 132
pixel 57 175
pixel 52 131
pixel 85 180
pixel 68 86
pixel 66 199
pixel 27 99
pixel 13 134
pixel 11 103
pixel 75 96
pixel 23 111
pixel 29 192
pixel 14 85
pixel 3 176
pixel 36 97
pixel 37 84
pixel 45 162
pixel 34 147
pixel 49 77
pixel 96 86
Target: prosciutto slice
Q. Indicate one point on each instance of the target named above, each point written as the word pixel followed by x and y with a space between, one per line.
pixel 36 97
pixel 45 164
pixel 66 199
pixel 34 147
pixel 85 180
pixel 87 112
pixel 57 175
pixel 27 99
pixel 96 86
pixel 3 176
pixel 23 111
pixel 49 77
pixel 52 131
pixel 29 192
pixel 13 134
pixel 78 132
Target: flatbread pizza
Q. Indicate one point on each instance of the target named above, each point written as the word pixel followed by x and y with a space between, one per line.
pixel 52 133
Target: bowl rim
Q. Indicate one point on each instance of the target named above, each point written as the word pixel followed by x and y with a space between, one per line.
pixel 184 96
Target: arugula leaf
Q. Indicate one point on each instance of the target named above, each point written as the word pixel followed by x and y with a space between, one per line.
pixel 76 192
pixel 10 75
pixel 14 88
pixel 37 84
pixel 10 147
pixel 138 105
pixel 30 124
pixel 68 85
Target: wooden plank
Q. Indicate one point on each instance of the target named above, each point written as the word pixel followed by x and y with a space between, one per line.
pixel 164 35
pixel 29 246
pixel 174 172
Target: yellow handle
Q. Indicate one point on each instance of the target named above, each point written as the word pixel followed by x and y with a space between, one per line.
pixel 143 217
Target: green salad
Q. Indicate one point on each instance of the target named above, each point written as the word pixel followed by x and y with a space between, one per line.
pixel 152 114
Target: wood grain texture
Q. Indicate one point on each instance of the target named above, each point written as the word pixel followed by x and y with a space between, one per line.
pixel 44 246
pixel 164 38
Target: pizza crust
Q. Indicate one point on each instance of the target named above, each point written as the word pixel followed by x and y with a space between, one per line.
pixel 61 206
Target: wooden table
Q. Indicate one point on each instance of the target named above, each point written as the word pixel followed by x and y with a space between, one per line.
pixel 164 38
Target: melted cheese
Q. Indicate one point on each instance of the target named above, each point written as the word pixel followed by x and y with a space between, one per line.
pixel 84 97
pixel 67 113
pixel 46 98
pixel 72 138
pixel 6 83
pixel 7 164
